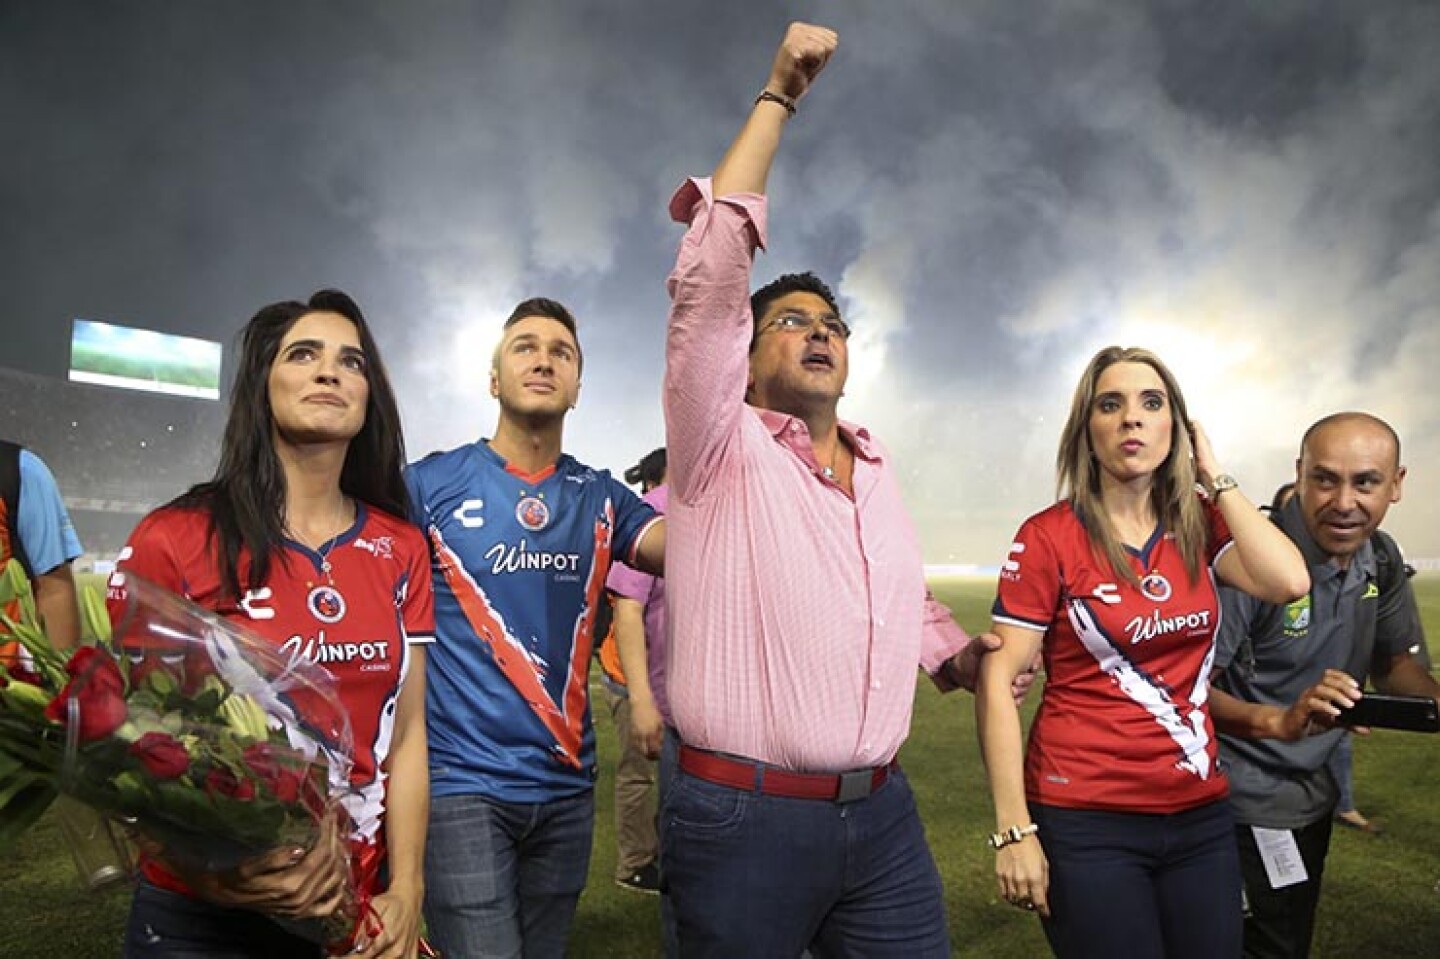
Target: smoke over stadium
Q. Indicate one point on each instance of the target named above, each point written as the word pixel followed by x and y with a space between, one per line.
pixel 995 190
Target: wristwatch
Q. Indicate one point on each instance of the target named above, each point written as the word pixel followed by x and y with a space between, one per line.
pixel 1222 483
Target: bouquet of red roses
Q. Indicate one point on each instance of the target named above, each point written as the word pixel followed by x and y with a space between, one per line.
pixel 205 739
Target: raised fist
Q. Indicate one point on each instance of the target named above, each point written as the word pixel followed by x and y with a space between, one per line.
pixel 802 55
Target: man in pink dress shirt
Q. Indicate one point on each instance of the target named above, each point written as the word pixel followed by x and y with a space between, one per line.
pixel 797 598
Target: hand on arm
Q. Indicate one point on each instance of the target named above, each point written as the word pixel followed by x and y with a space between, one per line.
pixel 646 725
pixel 962 670
pixel 407 812
pixel 1021 870
pixel 1262 560
pixel 801 56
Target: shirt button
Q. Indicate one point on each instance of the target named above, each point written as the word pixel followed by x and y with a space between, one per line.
pixel 875 685
pixel 794 427
pixel 879 621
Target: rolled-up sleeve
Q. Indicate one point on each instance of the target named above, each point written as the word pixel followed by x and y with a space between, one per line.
pixel 940 637
pixel 708 344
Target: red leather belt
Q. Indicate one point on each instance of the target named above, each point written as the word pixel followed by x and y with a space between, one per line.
pixel 758 777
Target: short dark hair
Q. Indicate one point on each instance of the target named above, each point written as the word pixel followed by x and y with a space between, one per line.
pixel 650 471
pixel 1351 416
pixel 784 285
pixel 553 309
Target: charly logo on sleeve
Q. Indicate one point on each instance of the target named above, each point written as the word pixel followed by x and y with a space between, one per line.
pixel 1010 569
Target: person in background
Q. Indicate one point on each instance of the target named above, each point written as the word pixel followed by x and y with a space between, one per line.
pixel 640 640
pixel 306 515
pixel 36 531
pixel 637 865
pixel 1342 760
pixel 522 538
pixel 1284 671
pixel 1118 798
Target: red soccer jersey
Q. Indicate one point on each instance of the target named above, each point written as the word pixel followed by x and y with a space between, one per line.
pixel 358 623
pixel 1123 723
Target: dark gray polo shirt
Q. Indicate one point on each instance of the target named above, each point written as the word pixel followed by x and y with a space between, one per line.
pixel 1271 654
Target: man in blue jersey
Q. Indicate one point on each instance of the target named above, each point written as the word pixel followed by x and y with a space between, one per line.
pixel 521 537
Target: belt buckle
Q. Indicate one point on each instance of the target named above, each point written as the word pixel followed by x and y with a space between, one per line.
pixel 856 784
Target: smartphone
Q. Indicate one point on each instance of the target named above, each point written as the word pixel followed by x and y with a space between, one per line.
pixel 1415 713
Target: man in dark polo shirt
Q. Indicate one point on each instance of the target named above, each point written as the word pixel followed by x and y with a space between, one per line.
pixel 1284 673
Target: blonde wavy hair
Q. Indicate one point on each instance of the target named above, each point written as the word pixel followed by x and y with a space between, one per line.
pixel 1177 508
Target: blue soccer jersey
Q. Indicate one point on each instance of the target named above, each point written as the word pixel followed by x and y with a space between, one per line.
pixel 519 566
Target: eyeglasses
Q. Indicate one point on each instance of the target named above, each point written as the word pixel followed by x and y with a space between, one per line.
pixel 803 322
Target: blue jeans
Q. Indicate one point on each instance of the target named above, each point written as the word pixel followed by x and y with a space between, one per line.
pixel 168 925
pixel 502 879
pixel 669 767
pixel 768 876
pixel 1142 885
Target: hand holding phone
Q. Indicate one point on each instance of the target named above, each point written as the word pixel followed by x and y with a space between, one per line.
pixel 1413 713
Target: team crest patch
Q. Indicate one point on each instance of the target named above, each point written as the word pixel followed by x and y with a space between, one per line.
pixel 1371 591
pixel 326 604
pixel 1155 587
pixel 532 513
pixel 1297 617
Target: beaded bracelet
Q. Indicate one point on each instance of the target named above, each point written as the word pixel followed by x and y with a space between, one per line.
pixel 780 98
pixel 1012 835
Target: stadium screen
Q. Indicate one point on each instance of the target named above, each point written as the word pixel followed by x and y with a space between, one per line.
pixel 135 359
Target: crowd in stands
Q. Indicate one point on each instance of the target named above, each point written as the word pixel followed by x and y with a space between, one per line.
pixel 115 454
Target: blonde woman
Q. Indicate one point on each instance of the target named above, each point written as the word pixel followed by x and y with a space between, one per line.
pixel 1114 825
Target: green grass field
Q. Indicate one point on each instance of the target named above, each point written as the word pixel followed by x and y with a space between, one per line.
pixel 1382 894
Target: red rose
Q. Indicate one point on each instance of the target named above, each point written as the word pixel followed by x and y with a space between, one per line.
pixel 220 781
pixel 260 757
pixel 286 786
pixel 265 763
pixel 315 792
pixel 20 673
pixel 97 688
pixel 142 668
pixel 197 667
pixel 162 756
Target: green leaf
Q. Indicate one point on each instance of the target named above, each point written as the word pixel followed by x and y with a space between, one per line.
pixel 22 808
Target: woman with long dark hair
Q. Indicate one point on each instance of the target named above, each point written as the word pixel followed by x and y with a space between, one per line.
pixel 1113 824
pixel 301 537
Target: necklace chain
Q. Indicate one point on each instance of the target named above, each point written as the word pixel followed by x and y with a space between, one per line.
pixel 828 471
pixel 325 548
